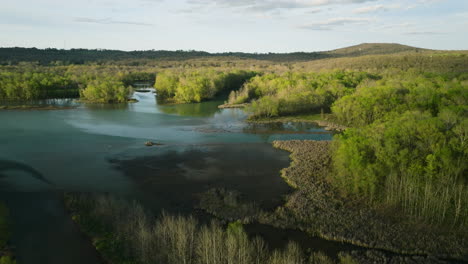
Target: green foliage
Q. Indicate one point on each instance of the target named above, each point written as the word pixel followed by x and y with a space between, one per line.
pixel 347 259
pixel 131 78
pixel 7 260
pixel 103 84
pixel 452 62
pixel 400 92
pixel 105 90
pixel 197 85
pixel 409 146
pixel 292 93
pixel 415 161
pixel 35 85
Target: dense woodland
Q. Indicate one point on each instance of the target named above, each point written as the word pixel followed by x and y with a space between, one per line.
pixel 90 83
pixel 294 93
pixel 407 145
pixel 55 57
pixel 198 85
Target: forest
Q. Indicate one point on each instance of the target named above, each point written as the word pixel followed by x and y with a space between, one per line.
pixel 93 84
pixel 54 57
pixel 406 145
pixel 198 85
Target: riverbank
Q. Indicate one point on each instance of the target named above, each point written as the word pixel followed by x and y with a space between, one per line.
pixel 226 106
pixel 34 107
pixel 325 120
pixel 316 208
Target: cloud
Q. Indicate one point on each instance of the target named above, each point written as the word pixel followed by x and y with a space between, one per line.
pixel 375 8
pixel 314 11
pixel 397 26
pixel 334 22
pixel 108 21
pixel 271 5
pixel 418 33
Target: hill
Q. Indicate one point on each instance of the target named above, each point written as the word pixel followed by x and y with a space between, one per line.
pixel 15 55
pixel 373 49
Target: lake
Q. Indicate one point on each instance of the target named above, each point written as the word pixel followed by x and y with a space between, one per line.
pixel 100 148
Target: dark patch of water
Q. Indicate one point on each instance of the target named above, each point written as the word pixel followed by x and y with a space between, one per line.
pixel 43 231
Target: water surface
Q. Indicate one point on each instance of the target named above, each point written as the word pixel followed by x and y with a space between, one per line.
pixel 100 148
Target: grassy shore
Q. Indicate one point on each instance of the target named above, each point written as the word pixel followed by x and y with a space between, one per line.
pixel 315 207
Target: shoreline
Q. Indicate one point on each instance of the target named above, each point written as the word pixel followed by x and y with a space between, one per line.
pixel 226 106
pixel 36 107
pixel 315 208
pixel 315 119
pixel 333 219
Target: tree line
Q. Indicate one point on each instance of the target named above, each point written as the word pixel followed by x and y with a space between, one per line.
pixel 290 93
pixel 124 232
pixel 194 86
pixel 93 84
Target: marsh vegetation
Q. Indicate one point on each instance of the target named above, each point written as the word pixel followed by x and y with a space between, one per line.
pixel 123 232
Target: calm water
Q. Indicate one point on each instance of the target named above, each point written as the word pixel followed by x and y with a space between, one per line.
pixel 96 148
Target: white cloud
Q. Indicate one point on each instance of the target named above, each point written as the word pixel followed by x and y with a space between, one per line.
pixel 417 33
pixel 108 21
pixel 270 5
pixel 375 8
pixel 335 22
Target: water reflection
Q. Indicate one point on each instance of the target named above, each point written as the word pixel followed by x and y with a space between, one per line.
pixel 205 147
pixel 62 102
pixel 206 109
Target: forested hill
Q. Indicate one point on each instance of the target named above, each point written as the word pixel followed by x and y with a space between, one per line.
pixel 82 56
pixel 373 49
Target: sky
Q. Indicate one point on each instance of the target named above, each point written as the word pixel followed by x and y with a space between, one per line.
pixel 232 25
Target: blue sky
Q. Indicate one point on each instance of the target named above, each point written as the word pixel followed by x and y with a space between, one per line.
pixel 228 25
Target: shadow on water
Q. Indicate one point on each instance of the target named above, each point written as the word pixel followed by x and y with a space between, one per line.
pixel 42 230
pixel 6 165
pixel 174 176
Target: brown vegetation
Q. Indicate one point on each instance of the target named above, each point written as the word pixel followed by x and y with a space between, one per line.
pixel 124 233
pixel 316 208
